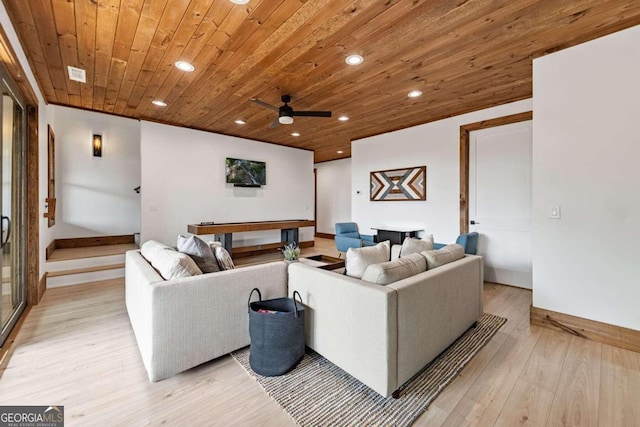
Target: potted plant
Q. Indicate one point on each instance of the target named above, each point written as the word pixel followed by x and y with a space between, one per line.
pixel 291 252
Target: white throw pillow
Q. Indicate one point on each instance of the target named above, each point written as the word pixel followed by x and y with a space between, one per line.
pixel 443 256
pixel 170 263
pixel 200 252
pixel 224 259
pixel 398 269
pixel 358 259
pixel 411 245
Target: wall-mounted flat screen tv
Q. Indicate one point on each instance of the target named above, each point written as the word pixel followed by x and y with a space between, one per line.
pixel 247 173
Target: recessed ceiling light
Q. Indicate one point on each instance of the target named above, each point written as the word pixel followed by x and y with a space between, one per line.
pixel 184 66
pixel 159 103
pixel 414 94
pixel 339 151
pixel 240 122
pixel 354 59
pixel 295 134
pixel 343 118
pixel 240 1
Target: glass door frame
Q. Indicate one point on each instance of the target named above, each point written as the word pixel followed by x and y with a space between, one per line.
pixel 35 284
pixel 18 240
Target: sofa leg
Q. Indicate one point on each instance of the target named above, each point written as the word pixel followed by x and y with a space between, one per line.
pixel 396 394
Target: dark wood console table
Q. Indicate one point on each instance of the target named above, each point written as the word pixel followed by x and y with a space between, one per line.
pixel 395 234
pixel 224 232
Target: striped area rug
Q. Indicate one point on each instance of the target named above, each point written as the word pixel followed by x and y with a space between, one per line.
pixel 318 393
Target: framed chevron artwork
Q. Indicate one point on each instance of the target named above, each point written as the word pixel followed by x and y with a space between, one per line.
pixel 408 184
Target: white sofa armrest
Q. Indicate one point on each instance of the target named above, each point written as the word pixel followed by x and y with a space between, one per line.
pixel 350 322
pixel 184 322
pixel 436 307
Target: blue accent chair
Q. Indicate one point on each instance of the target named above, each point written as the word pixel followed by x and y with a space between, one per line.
pixel 469 241
pixel 347 236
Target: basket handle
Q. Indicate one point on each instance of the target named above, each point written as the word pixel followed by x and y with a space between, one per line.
pixel 250 295
pixel 295 306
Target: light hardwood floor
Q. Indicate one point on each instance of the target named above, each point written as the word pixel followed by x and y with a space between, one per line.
pixel 77 349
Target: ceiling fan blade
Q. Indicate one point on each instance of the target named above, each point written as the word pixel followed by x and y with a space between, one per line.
pixel 264 104
pixel 312 113
pixel 274 124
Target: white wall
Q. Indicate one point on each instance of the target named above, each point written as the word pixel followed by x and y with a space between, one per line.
pixel 334 194
pixel 586 148
pixel 436 145
pixel 95 194
pixel 183 182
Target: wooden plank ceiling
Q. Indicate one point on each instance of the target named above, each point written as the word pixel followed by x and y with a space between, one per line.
pixel 463 55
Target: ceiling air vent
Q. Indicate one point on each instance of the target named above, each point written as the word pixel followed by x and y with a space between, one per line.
pixel 77 74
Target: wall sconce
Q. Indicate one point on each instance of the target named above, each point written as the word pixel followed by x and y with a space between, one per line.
pixel 97 145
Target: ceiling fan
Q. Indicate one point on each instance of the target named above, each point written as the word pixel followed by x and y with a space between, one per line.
pixel 286 113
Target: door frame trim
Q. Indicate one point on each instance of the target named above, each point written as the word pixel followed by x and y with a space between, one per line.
pixel 465 131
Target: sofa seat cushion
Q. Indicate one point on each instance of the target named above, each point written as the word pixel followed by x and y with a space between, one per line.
pixel 200 252
pixel 445 255
pixel 170 263
pixel 358 259
pixel 398 269
pixel 411 245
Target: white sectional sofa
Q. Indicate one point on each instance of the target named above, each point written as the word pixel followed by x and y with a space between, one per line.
pixel 383 335
pixel 380 334
pixel 181 323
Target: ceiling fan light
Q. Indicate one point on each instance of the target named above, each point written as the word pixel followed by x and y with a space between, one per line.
pixel 354 59
pixel 184 66
pixel 285 120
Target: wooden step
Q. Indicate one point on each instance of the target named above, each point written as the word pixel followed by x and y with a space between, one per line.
pixel 84 270
pixel 90 252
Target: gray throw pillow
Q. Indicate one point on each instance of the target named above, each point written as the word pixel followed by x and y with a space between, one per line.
pixel 200 252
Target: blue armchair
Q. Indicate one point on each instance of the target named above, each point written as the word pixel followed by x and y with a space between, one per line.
pixel 468 241
pixel 347 236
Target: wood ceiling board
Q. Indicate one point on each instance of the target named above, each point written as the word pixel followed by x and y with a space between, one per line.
pixel 464 56
pixel 26 30
pixel 47 35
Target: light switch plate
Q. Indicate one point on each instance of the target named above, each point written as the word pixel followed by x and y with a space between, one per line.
pixel 554 212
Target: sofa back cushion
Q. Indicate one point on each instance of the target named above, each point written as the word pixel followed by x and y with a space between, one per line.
pixel 170 263
pixel 358 259
pixel 398 269
pixel 412 245
pixel 200 252
pixel 445 255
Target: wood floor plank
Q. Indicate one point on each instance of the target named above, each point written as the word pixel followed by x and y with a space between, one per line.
pixel 484 400
pixel 532 396
pixel 76 348
pixel 619 387
pixel 576 401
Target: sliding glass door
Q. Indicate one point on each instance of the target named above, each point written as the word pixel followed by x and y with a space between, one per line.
pixel 12 205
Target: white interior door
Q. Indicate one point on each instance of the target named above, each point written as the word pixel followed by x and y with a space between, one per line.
pixel 500 201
